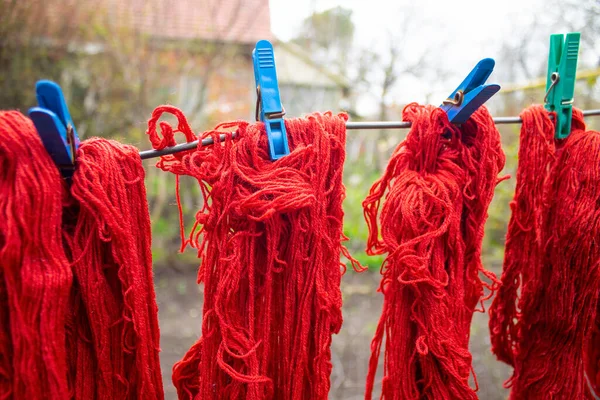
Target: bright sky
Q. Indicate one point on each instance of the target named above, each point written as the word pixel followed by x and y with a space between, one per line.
pixel 465 30
pixel 462 19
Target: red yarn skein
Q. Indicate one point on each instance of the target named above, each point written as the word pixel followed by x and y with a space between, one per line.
pixel 427 213
pixel 78 316
pixel 269 236
pixel 547 332
pixel 35 276
pixel 114 335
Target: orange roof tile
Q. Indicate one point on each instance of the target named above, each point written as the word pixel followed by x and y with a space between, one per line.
pixel 244 21
pixel 241 21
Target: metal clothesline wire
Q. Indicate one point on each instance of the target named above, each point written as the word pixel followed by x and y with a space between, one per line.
pixel 349 125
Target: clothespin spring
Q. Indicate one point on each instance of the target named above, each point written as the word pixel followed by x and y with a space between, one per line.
pixel 273 115
pixel 459 96
pixel 554 78
pixel 71 142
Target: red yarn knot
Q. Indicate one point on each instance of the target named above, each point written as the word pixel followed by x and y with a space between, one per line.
pixel 421 346
pixel 432 133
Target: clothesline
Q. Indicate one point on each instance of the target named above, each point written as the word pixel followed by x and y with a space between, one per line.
pixel 349 125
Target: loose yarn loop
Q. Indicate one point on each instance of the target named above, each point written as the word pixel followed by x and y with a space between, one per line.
pixel 269 237
pixel 113 336
pixel 548 332
pixel 35 277
pixel 437 186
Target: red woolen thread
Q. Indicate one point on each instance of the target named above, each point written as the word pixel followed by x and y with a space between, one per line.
pixel 592 356
pixel 553 339
pixel 269 236
pixel 113 331
pixel 427 213
pixel 35 277
pixel 522 248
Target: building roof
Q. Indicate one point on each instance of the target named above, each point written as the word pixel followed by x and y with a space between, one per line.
pixel 243 21
pixel 239 21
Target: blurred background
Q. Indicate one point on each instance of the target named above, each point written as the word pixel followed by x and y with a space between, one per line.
pixel 118 59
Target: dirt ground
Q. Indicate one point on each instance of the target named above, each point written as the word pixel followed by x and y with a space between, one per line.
pixel 180 312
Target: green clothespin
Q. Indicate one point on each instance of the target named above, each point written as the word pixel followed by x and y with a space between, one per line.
pixel 560 84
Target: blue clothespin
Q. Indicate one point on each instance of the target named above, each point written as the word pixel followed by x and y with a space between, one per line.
pixel 471 94
pixel 562 68
pixel 268 100
pixel 54 125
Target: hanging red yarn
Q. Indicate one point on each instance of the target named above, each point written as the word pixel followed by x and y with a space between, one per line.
pixel 35 277
pixel 592 356
pixel 522 248
pixel 437 186
pixel 94 334
pixel 553 259
pixel 113 333
pixel 269 237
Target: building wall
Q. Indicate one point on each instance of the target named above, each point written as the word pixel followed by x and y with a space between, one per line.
pixel 300 100
pixel 209 85
pixel 215 88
